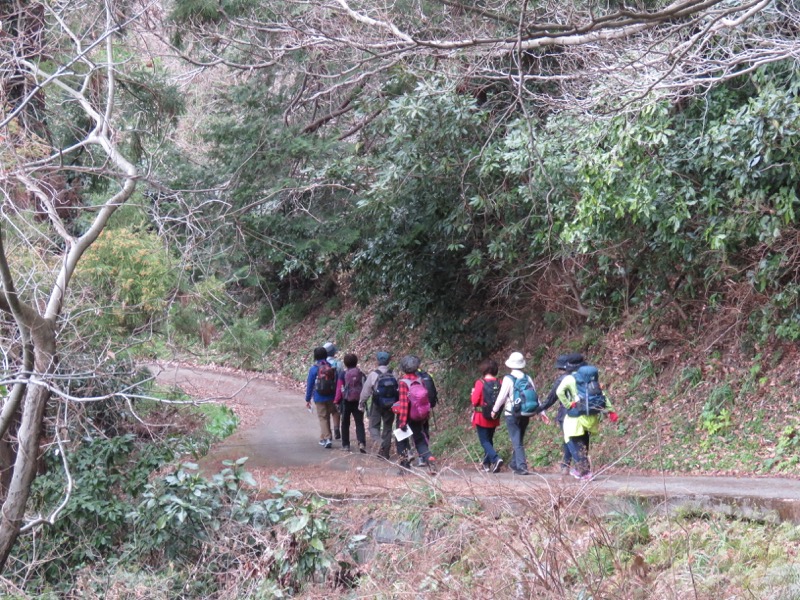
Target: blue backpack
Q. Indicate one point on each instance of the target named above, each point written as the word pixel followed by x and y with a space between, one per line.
pixel 387 389
pixel 590 400
pixel 525 400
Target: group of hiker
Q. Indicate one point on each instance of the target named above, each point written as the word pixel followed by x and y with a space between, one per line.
pixel 400 406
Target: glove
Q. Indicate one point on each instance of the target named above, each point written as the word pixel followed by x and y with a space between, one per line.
pixel 613 417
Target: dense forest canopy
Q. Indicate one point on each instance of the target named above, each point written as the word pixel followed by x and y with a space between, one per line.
pixel 444 160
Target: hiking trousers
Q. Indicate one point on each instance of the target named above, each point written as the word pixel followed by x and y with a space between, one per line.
pixel 419 432
pixel 486 438
pixel 579 449
pixel 350 408
pixel 375 421
pixel 516 431
pixel 385 423
pixel 324 412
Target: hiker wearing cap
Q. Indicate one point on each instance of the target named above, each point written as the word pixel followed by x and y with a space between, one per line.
pixel 413 409
pixel 484 393
pixel 585 403
pixel 381 389
pixel 566 364
pixel 508 401
pixel 321 387
pixel 336 416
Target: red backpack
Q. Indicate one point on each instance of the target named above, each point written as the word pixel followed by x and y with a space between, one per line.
pixel 326 379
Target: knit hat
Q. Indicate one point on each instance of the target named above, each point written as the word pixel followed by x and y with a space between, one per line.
pixel 383 358
pixel 331 348
pixel 516 361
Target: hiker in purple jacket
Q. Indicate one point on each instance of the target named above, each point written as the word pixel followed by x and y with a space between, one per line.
pixel 350 396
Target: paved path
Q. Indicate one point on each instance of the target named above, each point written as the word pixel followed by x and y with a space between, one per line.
pixel 279 435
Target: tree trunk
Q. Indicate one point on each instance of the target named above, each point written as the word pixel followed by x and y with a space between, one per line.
pixel 28 434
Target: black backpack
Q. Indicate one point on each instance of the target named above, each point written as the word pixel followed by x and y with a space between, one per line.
pixel 427 381
pixel 387 390
pixel 490 391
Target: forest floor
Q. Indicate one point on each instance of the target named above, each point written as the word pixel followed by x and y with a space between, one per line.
pixel 280 438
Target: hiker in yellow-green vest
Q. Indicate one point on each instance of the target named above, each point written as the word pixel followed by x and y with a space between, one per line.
pixel 580 393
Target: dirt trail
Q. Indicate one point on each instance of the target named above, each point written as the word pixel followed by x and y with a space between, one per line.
pixel 280 438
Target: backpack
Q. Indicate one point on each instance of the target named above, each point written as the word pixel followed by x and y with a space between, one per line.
pixel 418 398
pixel 490 390
pixel 325 383
pixel 525 400
pixel 427 381
pixel 353 384
pixel 591 400
pixel 387 390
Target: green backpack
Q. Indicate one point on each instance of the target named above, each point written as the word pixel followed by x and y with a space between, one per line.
pixel 525 401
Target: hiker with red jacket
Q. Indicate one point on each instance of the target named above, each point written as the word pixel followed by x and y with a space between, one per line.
pixel 412 410
pixel 321 387
pixel 484 393
pixel 350 395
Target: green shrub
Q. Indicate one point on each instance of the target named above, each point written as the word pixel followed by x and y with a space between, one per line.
pixel 131 275
pixel 245 341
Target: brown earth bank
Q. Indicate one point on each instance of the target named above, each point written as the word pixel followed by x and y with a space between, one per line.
pixel 279 438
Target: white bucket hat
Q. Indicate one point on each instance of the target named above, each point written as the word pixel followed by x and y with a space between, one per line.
pixel 516 361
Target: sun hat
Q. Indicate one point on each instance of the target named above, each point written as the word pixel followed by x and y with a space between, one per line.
pixel 383 358
pixel 516 361
pixel 331 348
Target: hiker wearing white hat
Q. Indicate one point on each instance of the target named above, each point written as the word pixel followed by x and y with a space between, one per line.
pixel 518 401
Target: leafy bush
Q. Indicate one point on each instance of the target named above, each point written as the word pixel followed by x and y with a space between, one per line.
pixel 245 341
pixel 108 475
pixel 131 275
pixel 188 519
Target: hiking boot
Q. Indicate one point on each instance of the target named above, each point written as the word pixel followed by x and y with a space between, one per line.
pixel 421 462
pixel 521 472
pixel 496 465
pixel 586 477
pixel 383 454
pixel 405 464
pixel 362 448
pixel 564 469
pixel 485 467
pixel 337 434
pixel 574 473
pixel 346 448
pixel 328 444
pixel 322 442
